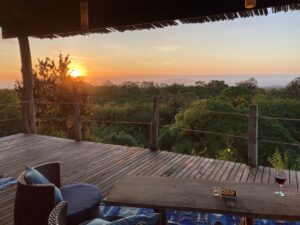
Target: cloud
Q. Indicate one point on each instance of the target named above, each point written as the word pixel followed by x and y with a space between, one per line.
pixel 168 48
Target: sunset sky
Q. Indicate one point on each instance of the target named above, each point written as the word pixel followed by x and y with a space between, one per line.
pixel 262 47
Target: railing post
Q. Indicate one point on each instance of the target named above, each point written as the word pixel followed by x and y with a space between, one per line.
pixel 252 135
pixel 77 122
pixel 154 125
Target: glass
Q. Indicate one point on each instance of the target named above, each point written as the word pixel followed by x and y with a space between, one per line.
pixel 216 191
pixel 280 179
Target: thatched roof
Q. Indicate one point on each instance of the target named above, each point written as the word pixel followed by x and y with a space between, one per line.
pixel 52 18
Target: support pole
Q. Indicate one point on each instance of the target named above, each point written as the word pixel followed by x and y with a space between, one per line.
pixel 28 110
pixel 77 122
pixel 252 135
pixel 154 125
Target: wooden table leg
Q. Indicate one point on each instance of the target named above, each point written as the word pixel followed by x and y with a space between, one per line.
pixel 249 221
pixel 246 221
pixel 163 217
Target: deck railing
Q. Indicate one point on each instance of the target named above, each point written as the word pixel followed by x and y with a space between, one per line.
pixel 154 125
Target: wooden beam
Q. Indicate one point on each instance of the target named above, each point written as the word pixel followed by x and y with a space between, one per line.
pixel 84 14
pixel 27 75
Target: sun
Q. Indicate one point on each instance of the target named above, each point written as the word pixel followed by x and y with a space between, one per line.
pixel 75 72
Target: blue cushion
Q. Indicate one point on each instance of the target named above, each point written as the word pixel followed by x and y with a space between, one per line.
pixel 83 202
pixel 149 219
pixel 32 176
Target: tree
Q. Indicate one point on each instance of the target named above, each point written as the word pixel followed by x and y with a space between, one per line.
pixel 238 96
pixel 293 88
pixel 250 85
pixel 215 87
pixel 55 91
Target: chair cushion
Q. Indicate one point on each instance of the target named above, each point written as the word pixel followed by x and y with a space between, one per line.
pixel 83 201
pixel 32 176
pixel 149 219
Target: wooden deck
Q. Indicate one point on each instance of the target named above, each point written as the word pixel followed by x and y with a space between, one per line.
pixel 103 164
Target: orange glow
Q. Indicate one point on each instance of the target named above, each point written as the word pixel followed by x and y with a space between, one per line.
pixel 77 70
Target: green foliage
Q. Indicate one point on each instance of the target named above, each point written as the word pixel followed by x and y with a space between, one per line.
pixel 287 160
pixel 198 118
pixel 121 138
pixel 250 85
pixel 120 134
pixel 189 115
pixel 237 96
pixel 9 111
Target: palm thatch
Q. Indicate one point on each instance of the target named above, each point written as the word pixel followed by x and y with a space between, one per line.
pixel 53 18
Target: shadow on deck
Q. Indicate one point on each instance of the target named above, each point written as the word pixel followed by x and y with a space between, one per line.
pixel 104 164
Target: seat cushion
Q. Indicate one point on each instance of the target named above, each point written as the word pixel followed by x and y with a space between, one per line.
pixel 83 202
pixel 149 219
pixel 32 176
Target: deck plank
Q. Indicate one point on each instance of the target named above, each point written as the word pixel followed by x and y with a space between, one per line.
pixel 233 172
pixel 104 164
pixel 266 175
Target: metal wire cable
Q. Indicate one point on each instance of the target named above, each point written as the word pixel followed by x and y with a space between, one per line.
pixel 10 103
pixel 51 118
pixel 11 119
pixel 120 122
pixel 54 103
pixel 280 118
pixel 100 121
pixel 228 113
pixel 208 132
pixel 278 142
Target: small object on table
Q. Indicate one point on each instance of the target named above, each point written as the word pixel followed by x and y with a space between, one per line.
pixel 216 191
pixel 228 193
pixel 219 192
pixel 280 179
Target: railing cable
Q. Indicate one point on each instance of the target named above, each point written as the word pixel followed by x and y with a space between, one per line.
pixel 11 119
pixel 208 132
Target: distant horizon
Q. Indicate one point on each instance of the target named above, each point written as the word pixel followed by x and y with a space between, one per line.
pixel 262 80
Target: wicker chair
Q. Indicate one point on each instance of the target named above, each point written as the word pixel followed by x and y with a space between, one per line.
pixel 34 203
pixel 58 216
pixel 32 210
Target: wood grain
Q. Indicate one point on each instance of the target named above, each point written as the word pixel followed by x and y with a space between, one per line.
pixel 105 164
pixel 253 200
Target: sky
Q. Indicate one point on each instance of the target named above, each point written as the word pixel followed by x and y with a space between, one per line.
pixel 266 48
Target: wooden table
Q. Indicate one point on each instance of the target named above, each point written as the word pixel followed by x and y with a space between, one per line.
pixel 252 201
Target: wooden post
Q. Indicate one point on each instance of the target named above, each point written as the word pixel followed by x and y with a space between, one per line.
pixel 252 135
pixel 154 125
pixel 77 122
pixel 246 221
pixel 28 105
pixel 163 216
pixel 84 14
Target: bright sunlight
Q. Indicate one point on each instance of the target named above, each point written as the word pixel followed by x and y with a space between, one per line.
pixel 75 73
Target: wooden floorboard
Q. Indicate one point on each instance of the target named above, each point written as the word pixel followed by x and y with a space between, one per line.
pixel 104 164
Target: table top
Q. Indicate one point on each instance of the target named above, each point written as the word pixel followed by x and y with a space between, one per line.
pixel 252 200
